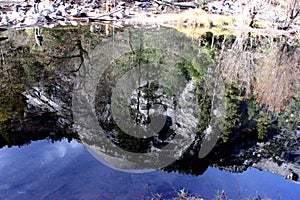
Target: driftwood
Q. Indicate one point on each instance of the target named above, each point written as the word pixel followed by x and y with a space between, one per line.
pixel 176 4
pixel 185 5
pixel 100 17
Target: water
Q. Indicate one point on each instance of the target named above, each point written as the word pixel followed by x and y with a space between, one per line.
pixel 60 170
pixel 95 115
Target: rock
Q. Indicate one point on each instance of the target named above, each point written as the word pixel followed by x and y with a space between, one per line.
pixel 58 13
pixel 62 23
pixel 46 12
pixel 142 5
pixel 52 25
pixel 119 15
pixel 92 28
pixel 74 23
pixel 41 18
pixel 17 8
pixel 121 4
pixel 26 5
pixel 75 12
pixel 95 6
pixel 36 97
pixel 5 20
pixel 61 11
pixel 129 12
pixel 287 170
pixel 56 16
pixel 50 8
pixel 293 176
pixel 83 13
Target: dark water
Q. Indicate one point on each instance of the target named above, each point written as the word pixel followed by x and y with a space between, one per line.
pixel 130 113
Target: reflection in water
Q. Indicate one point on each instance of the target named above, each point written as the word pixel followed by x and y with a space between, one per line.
pixel 102 29
pixel 38 36
pixel 42 170
pixel 146 140
pixel 39 85
pixel 234 111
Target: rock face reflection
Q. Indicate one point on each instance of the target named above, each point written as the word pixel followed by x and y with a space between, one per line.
pixel 68 89
pixel 36 85
pixel 145 106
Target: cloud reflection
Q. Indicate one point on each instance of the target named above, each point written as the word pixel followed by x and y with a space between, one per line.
pixel 59 150
pixel 38 152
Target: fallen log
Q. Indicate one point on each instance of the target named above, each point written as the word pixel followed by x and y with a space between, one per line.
pixel 100 17
pixel 177 4
pixel 185 4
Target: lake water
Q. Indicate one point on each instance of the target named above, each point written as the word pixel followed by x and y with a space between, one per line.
pixel 62 170
pixel 133 113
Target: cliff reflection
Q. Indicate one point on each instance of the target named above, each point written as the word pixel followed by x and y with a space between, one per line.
pixel 222 86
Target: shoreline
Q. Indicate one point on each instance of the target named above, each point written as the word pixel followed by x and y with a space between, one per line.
pixel 51 16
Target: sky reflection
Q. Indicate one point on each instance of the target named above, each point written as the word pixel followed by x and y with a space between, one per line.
pixel 62 170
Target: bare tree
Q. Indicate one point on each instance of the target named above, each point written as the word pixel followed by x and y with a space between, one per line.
pixel 292 12
pixel 257 8
pixel 267 64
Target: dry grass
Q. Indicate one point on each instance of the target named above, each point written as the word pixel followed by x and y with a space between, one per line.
pixel 272 71
pixel 196 22
pixel 200 18
pixel 197 32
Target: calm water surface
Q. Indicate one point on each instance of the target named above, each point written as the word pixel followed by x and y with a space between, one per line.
pixel 64 170
pixel 71 107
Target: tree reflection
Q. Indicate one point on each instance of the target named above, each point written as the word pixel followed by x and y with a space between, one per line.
pixel 260 74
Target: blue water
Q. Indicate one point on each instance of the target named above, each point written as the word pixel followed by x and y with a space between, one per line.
pixel 62 170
